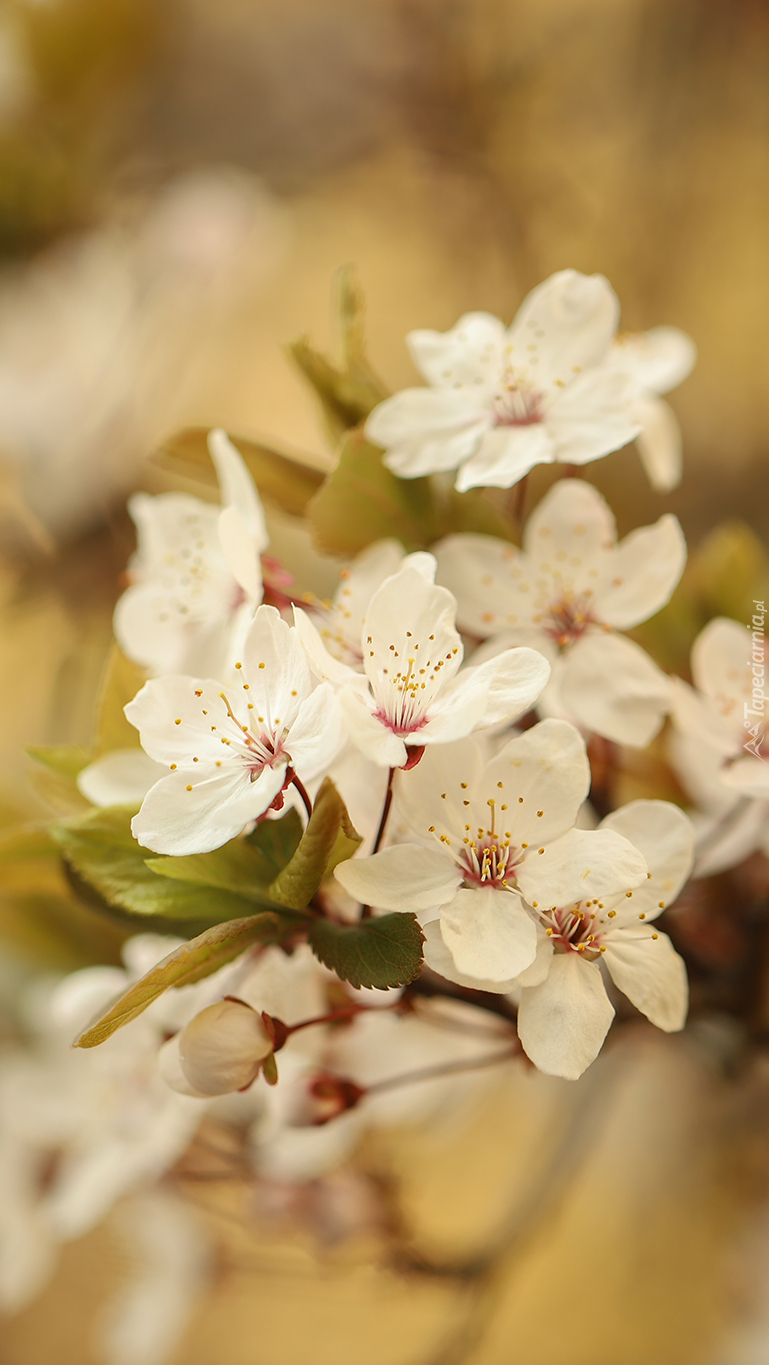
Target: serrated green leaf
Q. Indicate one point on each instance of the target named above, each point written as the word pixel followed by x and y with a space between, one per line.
pixel 383 952
pixel 192 962
pixel 328 839
pixel 100 848
pixel 362 501
pixel 288 480
pixel 65 759
pixel 122 680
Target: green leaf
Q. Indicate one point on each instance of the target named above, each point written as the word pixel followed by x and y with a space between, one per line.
pixel 233 867
pixel 275 842
pixel 472 511
pixel 65 759
pixel 383 952
pixel 192 962
pixel 101 850
pixel 288 480
pixel 328 839
pixel 122 680
pixel 362 501
pixel 347 392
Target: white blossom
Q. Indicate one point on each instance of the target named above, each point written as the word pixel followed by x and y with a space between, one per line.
pixel 718 746
pixel 501 400
pixel 411 692
pixel 196 575
pixel 568 593
pixel 656 362
pixel 503 849
pixel 564 1012
pixel 340 625
pixel 232 749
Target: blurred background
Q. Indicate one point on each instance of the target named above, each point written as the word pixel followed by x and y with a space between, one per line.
pixel 179 181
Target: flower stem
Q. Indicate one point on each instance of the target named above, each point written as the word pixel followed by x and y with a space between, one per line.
pixel 300 787
pixel 385 811
pixel 428 1073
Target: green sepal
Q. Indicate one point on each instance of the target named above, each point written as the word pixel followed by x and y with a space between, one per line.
pixel 328 839
pixel 193 961
pixel 363 501
pixel 384 952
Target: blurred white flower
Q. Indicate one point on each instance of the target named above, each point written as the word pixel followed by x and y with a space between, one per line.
pixel 718 746
pixel 656 362
pixel 196 577
pixel 231 755
pixel 411 692
pixel 502 400
pixel 502 840
pixel 567 594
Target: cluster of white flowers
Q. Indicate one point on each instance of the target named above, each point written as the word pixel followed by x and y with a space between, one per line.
pixel 452 695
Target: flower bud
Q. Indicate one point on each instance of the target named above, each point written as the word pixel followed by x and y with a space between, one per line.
pixel 223 1047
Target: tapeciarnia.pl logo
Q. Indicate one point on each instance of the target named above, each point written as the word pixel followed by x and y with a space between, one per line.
pixel 755 710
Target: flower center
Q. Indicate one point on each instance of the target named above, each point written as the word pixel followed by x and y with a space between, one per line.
pixel 518 404
pixel 260 751
pixel 567 619
pixel 575 929
pixel 488 862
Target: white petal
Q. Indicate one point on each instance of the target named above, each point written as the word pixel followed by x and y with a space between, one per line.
pixel 195 703
pixel 612 687
pixel 514 680
pixel 324 664
pixel 642 573
pixel 276 667
pixel 440 960
pixel 472 351
pixel 727 841
pixel 237 487
pixel 749 776
pixel 658 360
pixel 544 769
pixel 317 734
pixel 484 575
pixel 170 1068
pixel 505 454
pixel 720 665
pixel 570 319
pixel 562 1023
pixel 592 417
pixel 660 443
pixel 570 529
pixel 178 821
pixel 120 778
pixel 432 793
pixel 444 421
pixel 404 877
pixel 650 973
pixel 700 722
pixel 581 865
pixel 664 834
pixel 241 554
pixel 489 934
pixel 409 631
pixel 375 740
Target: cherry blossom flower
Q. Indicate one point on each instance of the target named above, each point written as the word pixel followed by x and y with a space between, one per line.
pixel 718 746
pixel 232 749
pixel 502 840
pixel 564 1012
pixel 411 692
pixel 196 575
pixel 567 593
pixel 656 362
pixel 502 400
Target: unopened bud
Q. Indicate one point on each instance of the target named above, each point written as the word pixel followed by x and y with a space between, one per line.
pixel 223 1047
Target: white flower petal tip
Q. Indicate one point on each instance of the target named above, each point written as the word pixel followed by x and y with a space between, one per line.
pixel 223 1047
pixel 500 401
